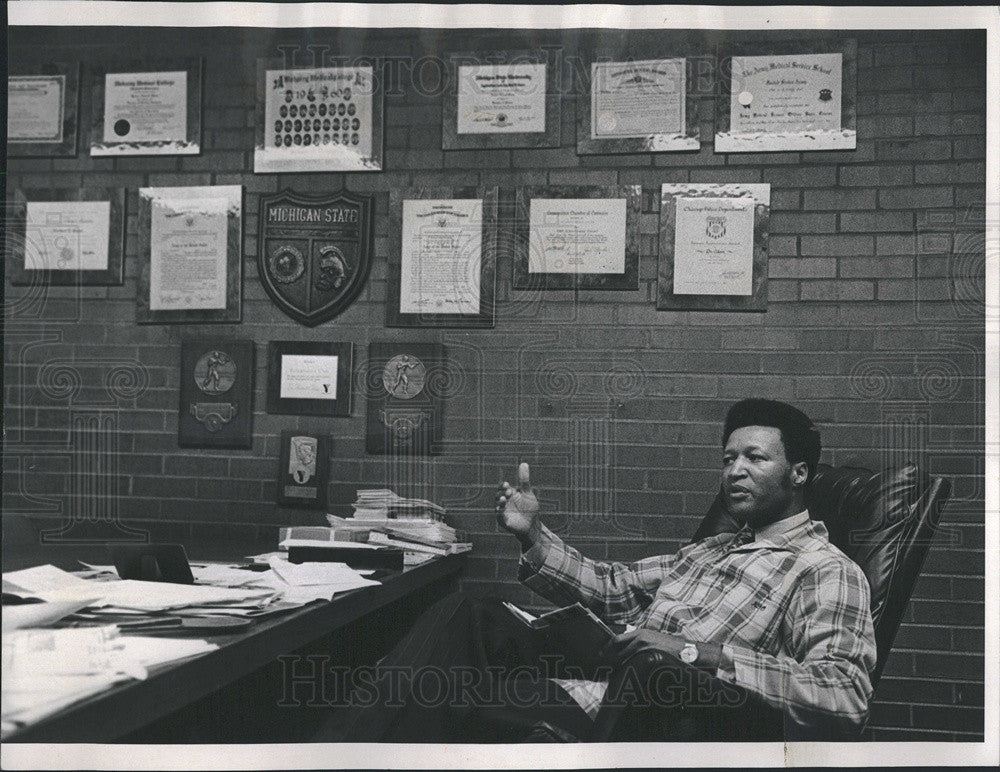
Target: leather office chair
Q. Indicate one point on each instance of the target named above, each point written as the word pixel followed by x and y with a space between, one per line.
pixel 882 521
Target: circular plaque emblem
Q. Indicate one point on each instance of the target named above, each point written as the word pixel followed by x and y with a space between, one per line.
pixel 403 376
pixel 215 372
pixel 286 264
pixel 745 98
pixel 606 121
pixel 122 127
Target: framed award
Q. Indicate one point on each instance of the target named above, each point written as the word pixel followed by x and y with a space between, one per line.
pixel 146 108
pixel 42 109
pixel 791 97
pixel 442 267
pixel 303 469
pixel 405 384
pixel 713 247
pixel 502 99
pixel 646 106
pixel 309 378
pixel 190 248
pixel 216 409
pixel 577 237
pixel 320 119
pixel 66 236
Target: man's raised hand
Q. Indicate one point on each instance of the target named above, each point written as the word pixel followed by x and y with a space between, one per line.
pixel 517 509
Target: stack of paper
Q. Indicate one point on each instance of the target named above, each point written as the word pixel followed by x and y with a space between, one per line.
pixel 304 582
pixel 424 528
pixel 383 503
pixel 46 670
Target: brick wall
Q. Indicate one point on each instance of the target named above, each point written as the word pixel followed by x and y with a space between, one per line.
pixel 874 327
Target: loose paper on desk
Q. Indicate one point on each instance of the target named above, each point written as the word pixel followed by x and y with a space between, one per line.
pixel 338 575
pixel 40 580
pixel 41 614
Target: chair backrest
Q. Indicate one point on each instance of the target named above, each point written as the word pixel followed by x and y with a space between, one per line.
pixel 883 521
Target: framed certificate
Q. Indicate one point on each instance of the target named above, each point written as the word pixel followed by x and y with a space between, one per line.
pixel 42 109
pixel 713 247
pixel 577 237
pixel 502 99
pixel 322 119
pixel 303 469
pixel 309 378
pixel 66 236
pixel 643 106
pixel 190 245
pixel 444 272
pixel 790 98
pixel 216 390
pixel 152 108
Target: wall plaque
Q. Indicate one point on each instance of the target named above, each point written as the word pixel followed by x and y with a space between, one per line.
pixel 314 252
pixel 42 103
pixel 216 409
pixel 303 469
pixel 405 383
pixel 309 378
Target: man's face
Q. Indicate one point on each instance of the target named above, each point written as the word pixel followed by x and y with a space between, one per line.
pixel 757 476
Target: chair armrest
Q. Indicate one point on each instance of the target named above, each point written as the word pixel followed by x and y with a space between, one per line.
pixel 655 697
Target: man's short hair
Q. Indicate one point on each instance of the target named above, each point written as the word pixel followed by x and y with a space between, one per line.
pixel 799 434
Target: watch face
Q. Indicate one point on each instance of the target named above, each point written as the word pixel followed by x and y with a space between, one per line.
pixel 689 653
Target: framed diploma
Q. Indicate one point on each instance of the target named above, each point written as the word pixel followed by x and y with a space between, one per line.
pixel 444 272
pixel 152 108
pixel 309 378
pixel 577 237
pixel 713 247
pixel 792 98
pixel 323 119
pixel 303 469
pixel 190 245
pixel 406 385
pixel 42 109
pixel 67 236
pixel 216 409
pixel 502 100
pixel 638 107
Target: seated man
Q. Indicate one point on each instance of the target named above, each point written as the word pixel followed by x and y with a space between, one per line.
pixel 774 608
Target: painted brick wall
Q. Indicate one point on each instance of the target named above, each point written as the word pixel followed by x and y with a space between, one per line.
pixel 874 327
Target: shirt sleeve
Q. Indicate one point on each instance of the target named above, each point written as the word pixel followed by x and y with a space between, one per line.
pixel 616 592
pixel 823 679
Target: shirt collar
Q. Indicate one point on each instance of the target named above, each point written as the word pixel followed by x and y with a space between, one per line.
pixel 798 532
pixel 782 527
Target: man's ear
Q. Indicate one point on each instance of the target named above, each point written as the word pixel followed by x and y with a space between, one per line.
pixel 799 473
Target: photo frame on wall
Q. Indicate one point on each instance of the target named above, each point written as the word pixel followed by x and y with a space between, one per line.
pixel 788 97
pixel 713 247
pixel 405 385
pixel 216 393
pixel 644 106
pixel 319 119
pixel 502 99
pixel 303 469
pixel 442 263
pixel 67 236
pixel 146 108
pixel 309 378
pixel 191 254
pixel 43 102
pixel 579 237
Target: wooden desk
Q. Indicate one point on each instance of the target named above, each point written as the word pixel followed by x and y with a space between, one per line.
pixel 126 707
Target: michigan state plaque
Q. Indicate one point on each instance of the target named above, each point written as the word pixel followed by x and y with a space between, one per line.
pixel 314 252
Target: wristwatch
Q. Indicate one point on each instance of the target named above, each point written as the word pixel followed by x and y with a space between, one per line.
pixel 689 653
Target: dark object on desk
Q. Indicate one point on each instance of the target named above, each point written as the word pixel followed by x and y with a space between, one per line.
pixel 152 562
pixel 882 521
pixel 355 557
pixel 10 599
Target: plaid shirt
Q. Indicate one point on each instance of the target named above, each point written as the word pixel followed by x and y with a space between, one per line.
pixel 790 610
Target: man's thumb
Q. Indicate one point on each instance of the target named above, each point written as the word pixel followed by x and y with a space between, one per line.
pixel 524 477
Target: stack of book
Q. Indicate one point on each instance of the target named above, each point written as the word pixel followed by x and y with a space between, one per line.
pixel 421 539
pixel 382 503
